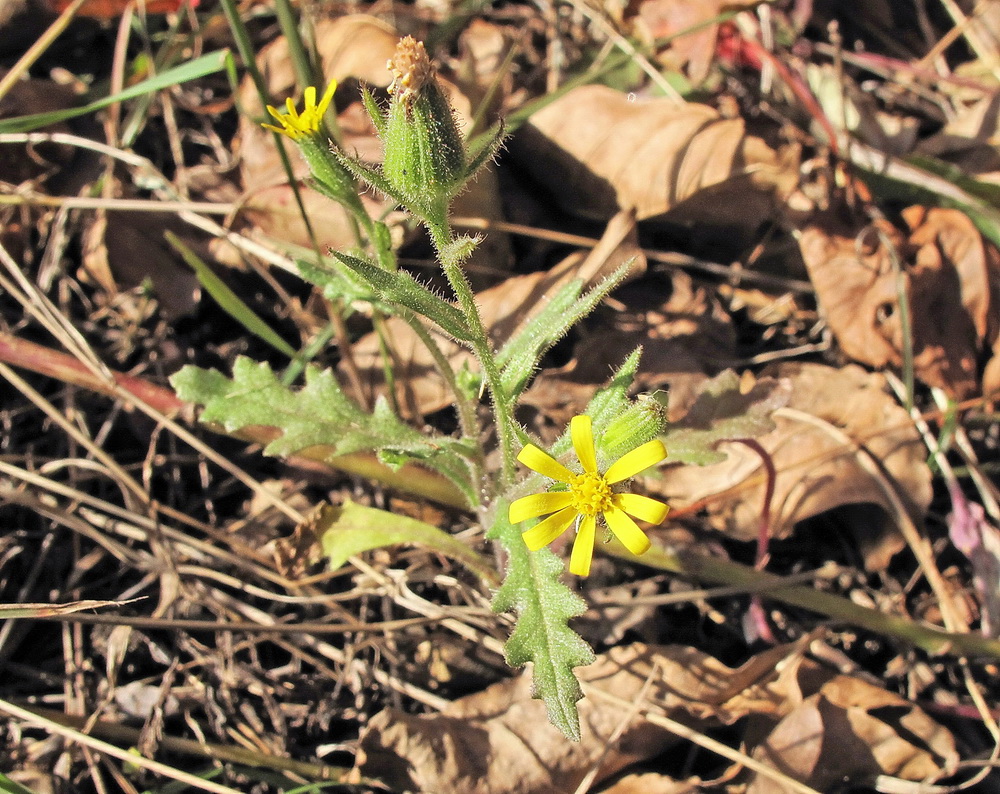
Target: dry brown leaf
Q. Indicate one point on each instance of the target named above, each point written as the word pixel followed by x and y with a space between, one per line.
pixel 354 47
pixel 816 471
pixel 652 783
pixel 499 741
pixel 124 249
pixel 599 152
pixel 21 163
pixel 949 279
pixel 851 732
pixel 504 308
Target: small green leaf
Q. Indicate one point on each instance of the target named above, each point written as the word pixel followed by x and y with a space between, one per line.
pixel 521 355
pixel 608 403
pixel 402 288
pixel 723 413
pixel 375 113
pixel 543 606
pixel 353 528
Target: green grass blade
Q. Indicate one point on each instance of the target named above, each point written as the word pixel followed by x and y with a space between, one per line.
pixel 192 70
pixel 229 301
pixel 8 786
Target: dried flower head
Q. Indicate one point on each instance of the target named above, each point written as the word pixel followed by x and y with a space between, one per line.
pixel 411 69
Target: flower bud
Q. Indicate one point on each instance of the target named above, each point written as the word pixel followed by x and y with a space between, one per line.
pixel 425 158
pixel 642 421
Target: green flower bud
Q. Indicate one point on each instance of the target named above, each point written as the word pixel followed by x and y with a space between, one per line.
pixel 642 421
pixel 425 158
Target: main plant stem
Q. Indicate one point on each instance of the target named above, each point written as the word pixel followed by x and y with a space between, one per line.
pixel 503 408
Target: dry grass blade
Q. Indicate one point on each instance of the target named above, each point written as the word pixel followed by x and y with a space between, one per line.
pixel 82 739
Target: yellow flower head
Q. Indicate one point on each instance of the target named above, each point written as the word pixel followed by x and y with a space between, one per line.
pixel 590 493
pixel 294 124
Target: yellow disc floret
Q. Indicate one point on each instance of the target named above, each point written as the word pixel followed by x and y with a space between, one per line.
pixel 591 494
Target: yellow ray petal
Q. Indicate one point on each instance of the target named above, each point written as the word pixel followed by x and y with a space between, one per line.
pixel 627 531
pixel 583 547
pixel 309 97
pixel 538 504
pixel 542 462
pixel 582 433
pixel 641 507
pixel 548 530
pixel 639 459
pixel 324 103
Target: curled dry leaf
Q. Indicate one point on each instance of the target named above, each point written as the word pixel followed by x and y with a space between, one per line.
pixel 852 731
pixel 499 741
pixel 817 470
pixel 949 275
pixel 599 152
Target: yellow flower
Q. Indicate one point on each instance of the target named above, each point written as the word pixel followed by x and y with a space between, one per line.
pixel 310 121
pixel 590 493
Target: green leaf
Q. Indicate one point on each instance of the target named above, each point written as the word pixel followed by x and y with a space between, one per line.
pixel 318 414
pixel 228 300
pixel 375 113
pixel 543 606
pixel 521 355
pixel 190 70
pixel 402 288
pixel 353 528
pixel 9 786
pixel 723 413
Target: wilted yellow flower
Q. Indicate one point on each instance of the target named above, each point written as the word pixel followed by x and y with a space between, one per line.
pixel 590 493
pixel 294 124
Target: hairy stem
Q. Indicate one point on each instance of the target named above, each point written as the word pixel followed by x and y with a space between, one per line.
pixel 503 407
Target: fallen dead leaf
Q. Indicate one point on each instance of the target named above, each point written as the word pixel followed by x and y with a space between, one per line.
pixel 35 162
pixel 598 151
pixel 122 250
pixel 949 276
pixel 817 472
pixel 499 741
pixel 852 731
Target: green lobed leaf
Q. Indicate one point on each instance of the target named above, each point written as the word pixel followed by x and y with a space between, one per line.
pixel 318 414
pixel 723 413
pixel 352 528
pixel 402 288
pixel 544 606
